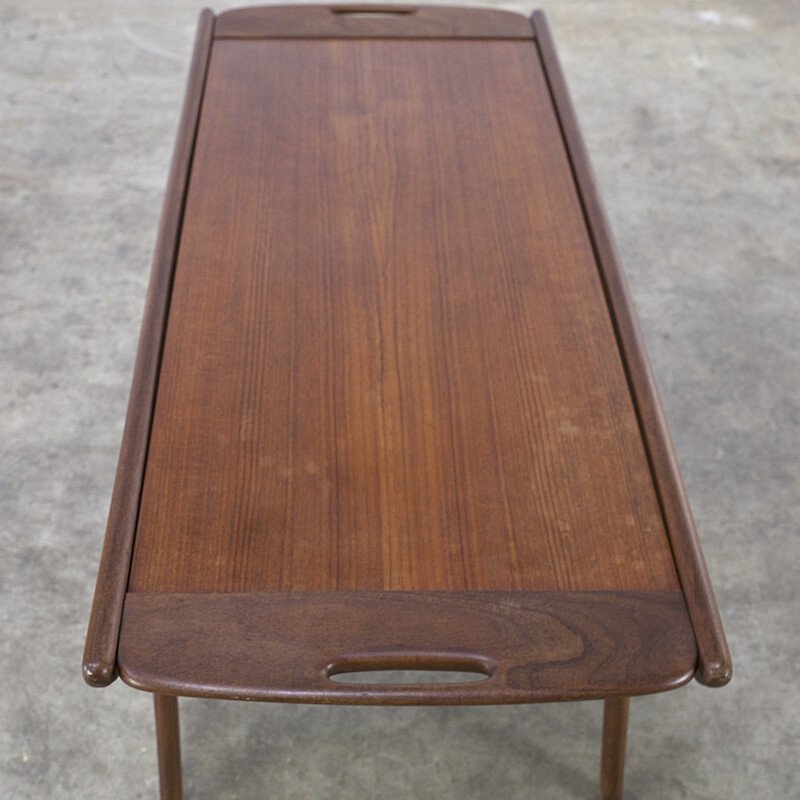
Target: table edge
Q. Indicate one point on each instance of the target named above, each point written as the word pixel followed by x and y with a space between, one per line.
pixel 357 20
pixel 284 646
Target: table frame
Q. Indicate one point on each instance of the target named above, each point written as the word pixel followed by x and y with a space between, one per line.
pixel 713 666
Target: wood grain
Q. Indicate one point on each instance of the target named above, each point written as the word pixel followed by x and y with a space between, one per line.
pixel 99 658
pixel 373 20
pixel 390 364
pixel 715 665
pixel 535 646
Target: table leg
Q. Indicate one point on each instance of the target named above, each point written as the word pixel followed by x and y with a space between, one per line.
pixel 615 730
pixel 168 741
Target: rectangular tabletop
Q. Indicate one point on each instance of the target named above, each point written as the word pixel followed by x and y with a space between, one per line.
pixel 395 422
pixel 389 363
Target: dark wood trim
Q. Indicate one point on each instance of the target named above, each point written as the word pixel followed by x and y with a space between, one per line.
pixel 168 742
pixel 381 20
pixel 714 667
pixel 615 734
pixel 99 659
pixel 534 646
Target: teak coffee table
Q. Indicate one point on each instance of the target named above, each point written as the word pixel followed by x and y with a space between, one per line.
pixel 391 408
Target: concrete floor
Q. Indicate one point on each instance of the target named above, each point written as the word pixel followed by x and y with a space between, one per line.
pixel 691 112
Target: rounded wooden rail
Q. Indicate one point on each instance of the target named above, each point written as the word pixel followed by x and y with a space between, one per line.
pixel 714 665
pixel 100 653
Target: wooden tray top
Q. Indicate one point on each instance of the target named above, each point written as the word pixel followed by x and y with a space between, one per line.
pixel 391 407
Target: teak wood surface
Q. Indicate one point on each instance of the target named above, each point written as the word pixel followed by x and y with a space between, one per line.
pixel 403 413
pixel 389 364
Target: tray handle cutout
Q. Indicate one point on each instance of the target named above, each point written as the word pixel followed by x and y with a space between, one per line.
pixel 373 12
pixel 392 669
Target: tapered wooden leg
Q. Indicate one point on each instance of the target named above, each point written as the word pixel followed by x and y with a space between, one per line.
pixel 168 740
pixel 615 730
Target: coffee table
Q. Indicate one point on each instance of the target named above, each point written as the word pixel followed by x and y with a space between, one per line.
pixel 391 408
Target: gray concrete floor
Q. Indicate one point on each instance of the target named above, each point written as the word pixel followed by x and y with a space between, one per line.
pixel 691 112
